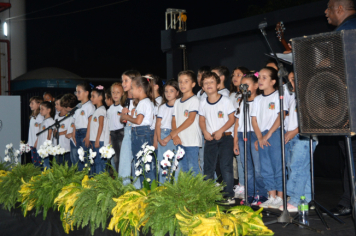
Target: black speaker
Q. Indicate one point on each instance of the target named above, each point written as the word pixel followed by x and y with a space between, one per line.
pixel 325 81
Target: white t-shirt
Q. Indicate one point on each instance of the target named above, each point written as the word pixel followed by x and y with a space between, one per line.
pixel 131 106
pixel 82 115
pixel 65 125
pixel 165 112
pixel 266 109
pixel 288 96
pixel 235 98
pixel 289 103
pixel 293 116
pixel 191 136
pixel 34 129
pixel 144 107
pixel 113 115
pixel 240 116
pixel 43 137
pixel 224 92
pixel 106 132
pixel 216 114
pixel 201 94
pixel 158 102
pixel 70 129
pixel 94 124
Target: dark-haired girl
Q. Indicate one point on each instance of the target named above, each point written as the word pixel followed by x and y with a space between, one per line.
pixel 266 124
pixel 47 111
pixel 141 119
pixel 82 121
pixel 97 128
pixel 257 193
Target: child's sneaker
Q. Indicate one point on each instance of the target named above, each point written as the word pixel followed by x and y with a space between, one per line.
pixel 239 191
pixel 267 203
pixel 276 203
pixel 228 201
pixel 290 208
pixel 258 200
pixel 249 198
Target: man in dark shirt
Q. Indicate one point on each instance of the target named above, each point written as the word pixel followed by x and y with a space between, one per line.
pixel 342 14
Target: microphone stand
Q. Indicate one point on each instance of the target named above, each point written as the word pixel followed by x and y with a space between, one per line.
pixel 245 95
pixel 285 216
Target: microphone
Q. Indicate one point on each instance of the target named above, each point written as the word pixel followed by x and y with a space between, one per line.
pixel 127 104
pixel 243 87
pixel 74 109
pixel 262 25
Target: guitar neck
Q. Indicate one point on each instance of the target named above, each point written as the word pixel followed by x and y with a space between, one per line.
pixel 285 44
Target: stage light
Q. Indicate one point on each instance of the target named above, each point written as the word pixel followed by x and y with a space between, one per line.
pixel 5 29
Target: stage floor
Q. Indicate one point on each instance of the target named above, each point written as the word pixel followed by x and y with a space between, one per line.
pixel 328 192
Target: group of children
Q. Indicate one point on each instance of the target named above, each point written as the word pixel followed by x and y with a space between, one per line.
pixel 209 127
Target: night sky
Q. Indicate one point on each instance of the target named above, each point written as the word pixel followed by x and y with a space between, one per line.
pixel 104 42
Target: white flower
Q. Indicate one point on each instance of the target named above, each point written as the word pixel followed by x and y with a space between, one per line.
pixel 62 151
pixel 147 158
pixel 8 146
pixel 28 148
pixel 91 161
pixel 6 151
pixel 180 153
pixel 138 172
pixel 81 153
pixel 42 147
pixel 144 145
pixel 139 154
pixel 92 154
pixel 168 154
pixel 111 151
pixel 85 165
pixel 47 143
pixel 43 153
pixel 16 160
pixel 16 153
pixel 7 159
pixel 50 150
pixel 148 180
pixel 165 163
pixel 164 172
pixel 147 167
pixel 174 168
pixel 137 164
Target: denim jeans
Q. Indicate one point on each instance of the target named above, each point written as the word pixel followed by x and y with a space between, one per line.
pixel 201 155
pixel 139 136
pixel 190 160
pixel 35 158
pixel 61 159
pixel 73 157
pixel 161 151
pixel 240 168
pixel 298 164
pixel 222 151
pixel 79 136
pixel 99 163
pixel 126 166
pixel 255 182
pixel 116 141
pixel 46 163
pixel 271 162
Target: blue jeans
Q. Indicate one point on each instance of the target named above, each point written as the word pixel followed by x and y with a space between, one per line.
pixel 73 156
pixel 271 162
pixel 223 151
pixel 298 165
pixel 201 155
pixel 240 168
pixel 99 163
pixel 61 159
pixel 126 166
pixel 190 160
pixel 161 151
pixel 139 136
pixel 35 158
pixel 46 163
pixel 79 136
pixel 255 182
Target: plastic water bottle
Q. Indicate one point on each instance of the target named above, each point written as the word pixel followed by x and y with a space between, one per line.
pixel 303 210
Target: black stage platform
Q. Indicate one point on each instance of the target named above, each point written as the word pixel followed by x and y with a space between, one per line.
pixel 327 191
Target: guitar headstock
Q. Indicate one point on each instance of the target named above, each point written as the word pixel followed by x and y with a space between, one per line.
pixel 280 30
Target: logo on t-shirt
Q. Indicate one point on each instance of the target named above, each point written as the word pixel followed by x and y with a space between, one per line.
pixel 118 113
pixel 72 125
pixel 238 99
pixel 220 114
pixel 186 113
pixel 136 113
pixel 36 124
pixel 82 113
pixel 95 119
pixel 63 126
pixel 43 127
pixel 271 106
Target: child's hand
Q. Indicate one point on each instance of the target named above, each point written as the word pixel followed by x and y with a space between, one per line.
pixel 288 136
pixel 162 142
pixel 173 133
pixel 133 112
pixel 207 136
pixel 236 149
pixel 68 136
pixel 125 111
pixel 97 144
pixel 177 141
pixel 256 145
pixel 123 117
pixel 217 135
pixel 263 142
pixel 86 141
pixel 155 143
pixel 166 140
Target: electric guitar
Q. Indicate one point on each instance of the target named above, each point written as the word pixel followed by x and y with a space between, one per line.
pixel 280 35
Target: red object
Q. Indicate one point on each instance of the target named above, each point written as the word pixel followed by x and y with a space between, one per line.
pixel 280 97
pixel 4 6
pixel 245 139
pixel 8 62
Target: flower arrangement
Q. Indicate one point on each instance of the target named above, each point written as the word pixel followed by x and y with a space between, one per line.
pixel 106 152
pixel 12 155
pixel 170 164
pixel 142 166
